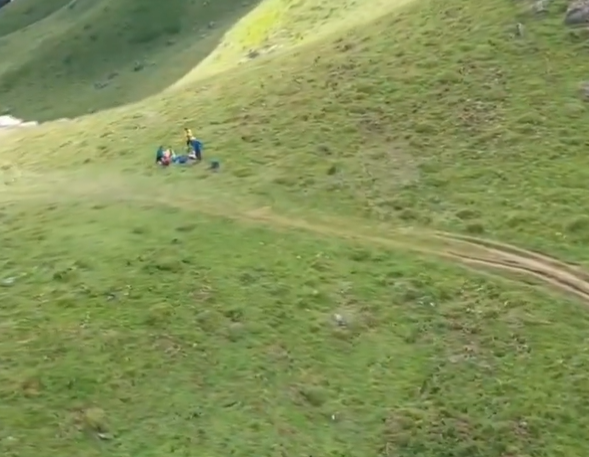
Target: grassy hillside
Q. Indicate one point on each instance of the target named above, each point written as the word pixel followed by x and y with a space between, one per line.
pixel 136 328
pixel 100 54
pixel 465 138
pixel 334 290
pixel 106 53
pixel 24 13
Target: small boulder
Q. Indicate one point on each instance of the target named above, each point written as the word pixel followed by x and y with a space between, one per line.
pixel 340 320
pixel 253 53
pixel 540 6
pixel 584 90
pixel 577 13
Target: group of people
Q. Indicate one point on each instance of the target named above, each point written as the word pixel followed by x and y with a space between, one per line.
pixel 166 156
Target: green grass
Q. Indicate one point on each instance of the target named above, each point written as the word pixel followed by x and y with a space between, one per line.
pixel 200 335
pixel 150 312
pixel 103 54
pixel 25 13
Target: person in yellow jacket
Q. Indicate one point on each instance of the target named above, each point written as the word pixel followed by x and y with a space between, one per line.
pixel 189 136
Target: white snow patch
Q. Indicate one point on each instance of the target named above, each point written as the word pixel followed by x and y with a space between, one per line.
pixel 7 122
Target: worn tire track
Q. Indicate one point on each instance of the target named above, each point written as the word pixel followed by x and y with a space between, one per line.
pixel 492 254
pixel 517 251
pixel 474 253
pixel 571 285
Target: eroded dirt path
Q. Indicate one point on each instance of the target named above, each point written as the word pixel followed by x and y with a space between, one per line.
pixel 511 262
pixel 474 253
pixel 514 263
pixel 485 254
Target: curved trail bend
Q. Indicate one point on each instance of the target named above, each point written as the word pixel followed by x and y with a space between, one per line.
pixel 472 252
pixel 487 256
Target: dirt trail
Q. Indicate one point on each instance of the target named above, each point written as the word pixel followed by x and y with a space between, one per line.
pixel 479 254
pixel 472 252
pixel 486 253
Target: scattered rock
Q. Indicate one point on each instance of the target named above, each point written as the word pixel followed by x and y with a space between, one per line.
pixel 236 331
pixel 100 85
pixel 340 320
pixel 584 88
pixel 252 54
pixel 577 13
pixel 540 6
pixel 7 282
pixel 138 66
pixel 211 25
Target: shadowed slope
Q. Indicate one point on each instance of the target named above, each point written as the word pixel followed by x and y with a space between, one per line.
pixel 102 54
pixel 23 13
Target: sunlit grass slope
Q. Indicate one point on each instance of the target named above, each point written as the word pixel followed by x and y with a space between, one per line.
pixel 276 25
pixel 105 53
pixel 431 115
pixel 93 55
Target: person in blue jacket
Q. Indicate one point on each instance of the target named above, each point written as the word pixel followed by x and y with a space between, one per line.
pixel 182 159
pixel 196 149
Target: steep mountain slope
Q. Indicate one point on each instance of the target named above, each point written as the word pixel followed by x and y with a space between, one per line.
pixel 23 13
pixel 107 53
pixel 276 25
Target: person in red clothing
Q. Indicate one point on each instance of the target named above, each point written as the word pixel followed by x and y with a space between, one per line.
pixel 164 157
